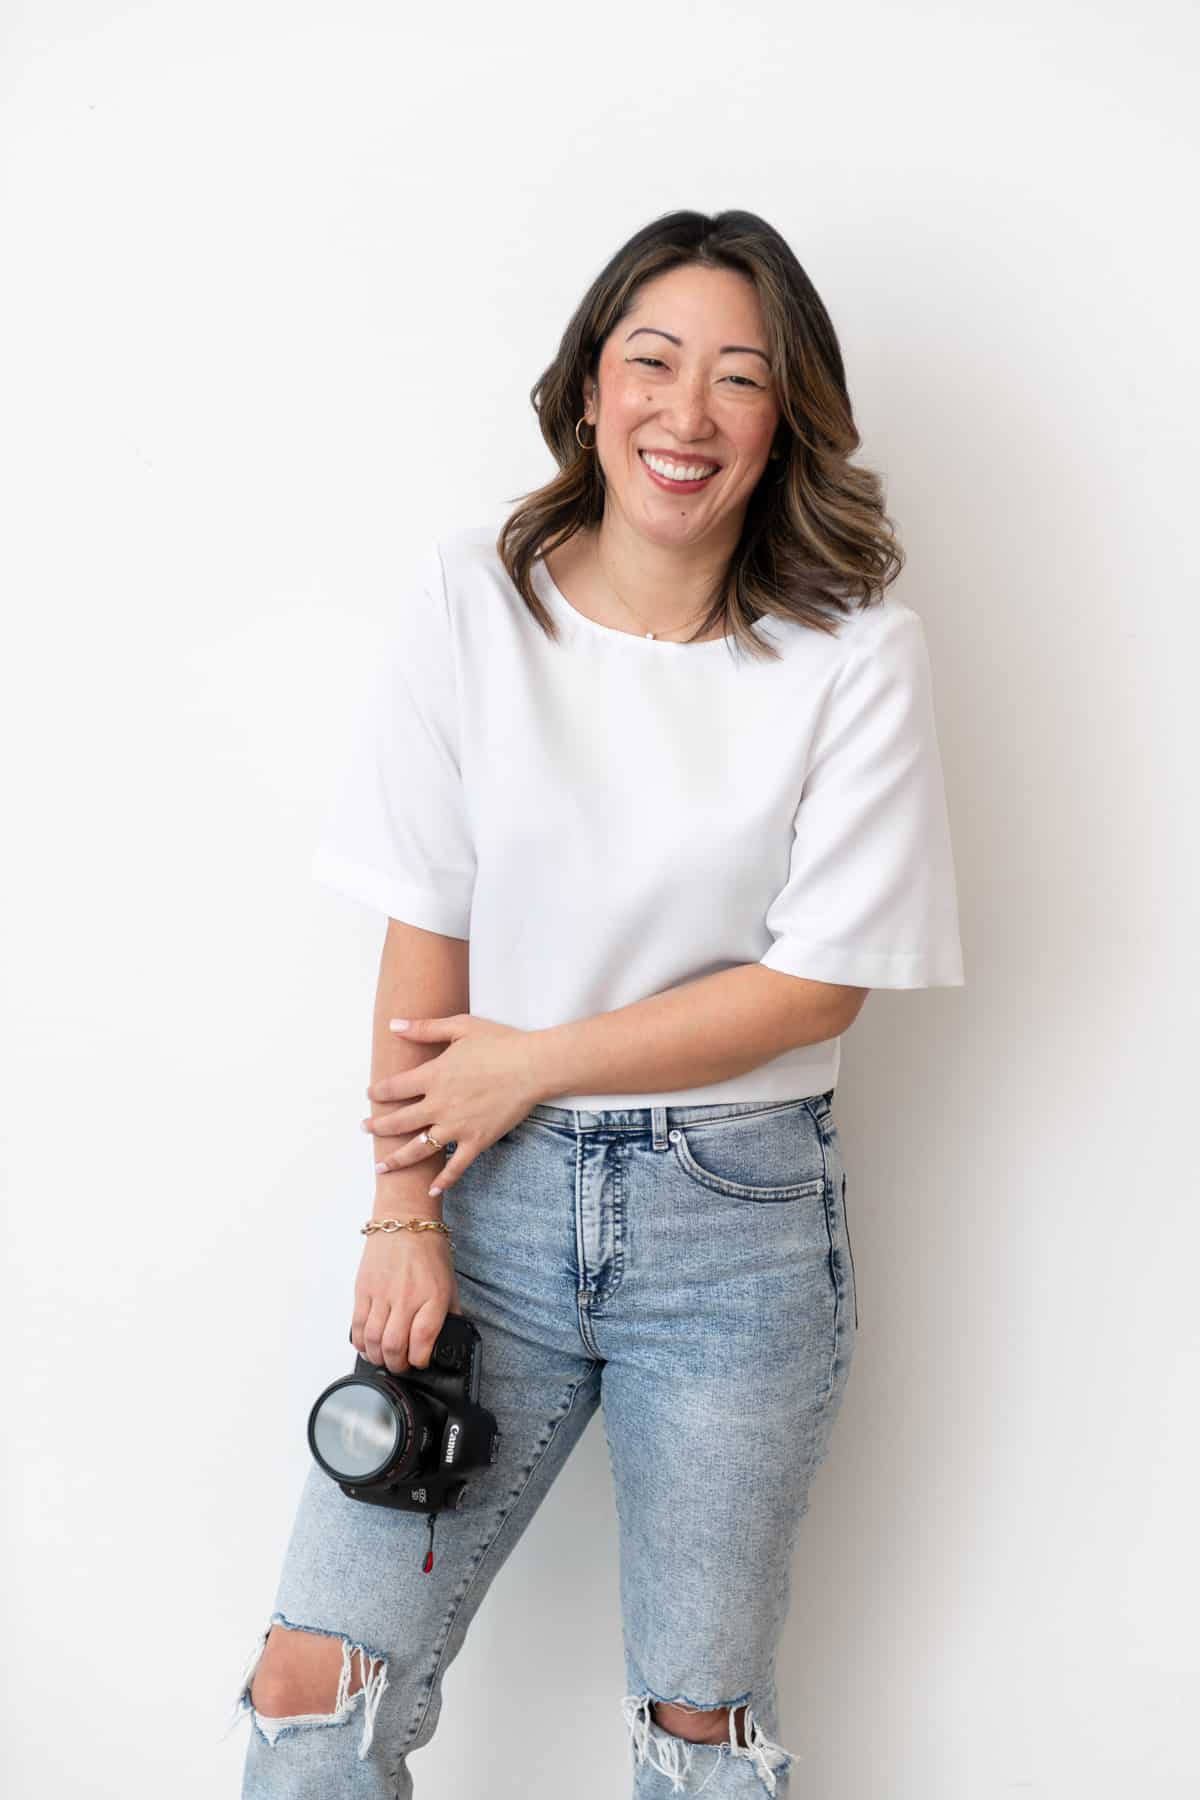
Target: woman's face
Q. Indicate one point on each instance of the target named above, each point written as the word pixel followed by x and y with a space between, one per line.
pixel 671 384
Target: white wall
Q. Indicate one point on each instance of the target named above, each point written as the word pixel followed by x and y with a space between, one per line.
pixel 280 277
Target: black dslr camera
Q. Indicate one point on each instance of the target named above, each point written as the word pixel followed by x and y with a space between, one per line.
pixel 404 1440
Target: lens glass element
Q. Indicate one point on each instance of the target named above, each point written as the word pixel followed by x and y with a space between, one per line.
pixel 357 1430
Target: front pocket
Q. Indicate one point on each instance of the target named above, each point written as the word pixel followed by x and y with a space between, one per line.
pixel 767 1156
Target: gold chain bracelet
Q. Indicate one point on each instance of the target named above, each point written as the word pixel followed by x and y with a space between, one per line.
pixel 408 1224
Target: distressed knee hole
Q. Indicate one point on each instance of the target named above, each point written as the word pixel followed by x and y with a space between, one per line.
pixel 300 1672
pixel 708 1726
pixel 672 1734
pixel 301 1678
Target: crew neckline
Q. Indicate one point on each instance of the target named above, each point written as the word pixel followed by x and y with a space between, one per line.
pixel 572 616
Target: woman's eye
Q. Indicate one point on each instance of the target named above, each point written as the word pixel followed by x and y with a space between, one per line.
pixel 657 362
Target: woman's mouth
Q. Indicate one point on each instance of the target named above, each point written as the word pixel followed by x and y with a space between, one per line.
pixel 678 477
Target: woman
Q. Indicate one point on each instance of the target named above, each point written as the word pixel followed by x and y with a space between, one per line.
pixel 649 790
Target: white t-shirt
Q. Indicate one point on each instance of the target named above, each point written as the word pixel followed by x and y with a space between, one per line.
pixel 611 815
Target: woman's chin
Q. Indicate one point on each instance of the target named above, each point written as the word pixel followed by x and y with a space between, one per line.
pixel 670 522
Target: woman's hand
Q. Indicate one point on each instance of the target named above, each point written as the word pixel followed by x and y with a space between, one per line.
pixel 404 1288
pixel 471 1094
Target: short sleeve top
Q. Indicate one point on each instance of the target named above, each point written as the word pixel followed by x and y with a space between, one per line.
pixel 610 815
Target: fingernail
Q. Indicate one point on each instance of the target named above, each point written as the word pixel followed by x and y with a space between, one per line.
pixel 435 1190
pixel 397 1024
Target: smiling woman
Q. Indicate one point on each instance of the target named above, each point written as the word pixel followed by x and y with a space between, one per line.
pixel 693 422
pixel 649 776
pixel 703 341
pixel 685 469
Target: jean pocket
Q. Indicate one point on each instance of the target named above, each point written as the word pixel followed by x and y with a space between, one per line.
pixel 766 1156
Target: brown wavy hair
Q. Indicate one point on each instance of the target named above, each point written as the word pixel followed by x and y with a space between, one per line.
pixel 815 535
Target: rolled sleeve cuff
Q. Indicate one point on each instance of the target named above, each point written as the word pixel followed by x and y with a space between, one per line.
pixel 445 908
pixel 866 968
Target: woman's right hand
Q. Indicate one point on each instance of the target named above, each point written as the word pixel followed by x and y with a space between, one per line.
pixel 404 1288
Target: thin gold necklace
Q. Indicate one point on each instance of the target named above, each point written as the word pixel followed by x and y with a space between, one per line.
pixel 629 609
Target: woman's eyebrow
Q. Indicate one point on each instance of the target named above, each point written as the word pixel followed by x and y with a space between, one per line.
pixel 725 348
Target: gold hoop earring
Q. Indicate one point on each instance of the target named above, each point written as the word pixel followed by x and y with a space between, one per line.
pixel 579 440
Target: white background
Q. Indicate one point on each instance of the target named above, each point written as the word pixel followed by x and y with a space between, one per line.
pixel 280 278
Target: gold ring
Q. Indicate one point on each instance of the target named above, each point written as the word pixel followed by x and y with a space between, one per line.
pixel 427 1137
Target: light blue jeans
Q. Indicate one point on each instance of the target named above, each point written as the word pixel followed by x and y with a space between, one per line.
pixel 688 1269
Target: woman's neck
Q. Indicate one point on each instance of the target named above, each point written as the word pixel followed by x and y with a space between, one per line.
pixel 653 587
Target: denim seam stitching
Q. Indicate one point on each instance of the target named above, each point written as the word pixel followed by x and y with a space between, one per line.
pixel 505 1516
pixel 581 1281
pixel 850 1250
pixel 602 1296
pixel 827 1189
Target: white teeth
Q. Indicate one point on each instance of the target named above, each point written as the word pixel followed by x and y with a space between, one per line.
pixel 677 471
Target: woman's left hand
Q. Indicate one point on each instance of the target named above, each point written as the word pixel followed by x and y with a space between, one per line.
pixel 480 1085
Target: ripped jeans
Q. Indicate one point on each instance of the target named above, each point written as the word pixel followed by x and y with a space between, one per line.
pixel 688 1270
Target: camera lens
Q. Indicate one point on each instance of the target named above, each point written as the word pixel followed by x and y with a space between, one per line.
pixel 357 1431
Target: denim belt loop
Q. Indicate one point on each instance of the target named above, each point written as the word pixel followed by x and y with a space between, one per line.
pixel 658 1121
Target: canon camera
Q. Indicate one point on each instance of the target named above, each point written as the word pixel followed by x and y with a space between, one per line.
pixel 407 1440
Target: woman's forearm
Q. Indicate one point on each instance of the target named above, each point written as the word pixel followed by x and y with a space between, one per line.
pixel 704 1031
pixel 421 974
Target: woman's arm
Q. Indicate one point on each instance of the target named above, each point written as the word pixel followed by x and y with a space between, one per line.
pixel 490 1075
pixel 421 973
pixel 406 1283
pixel 704 1031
